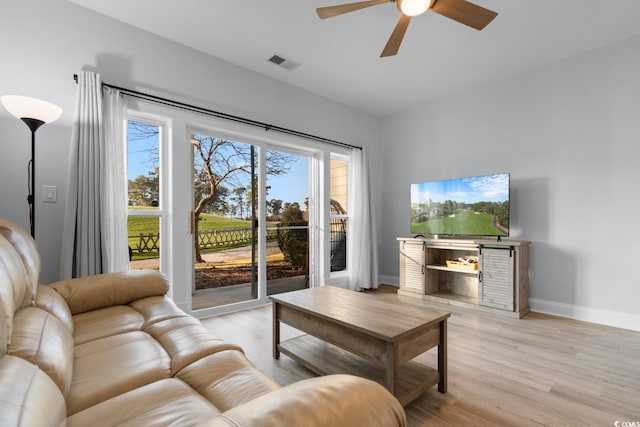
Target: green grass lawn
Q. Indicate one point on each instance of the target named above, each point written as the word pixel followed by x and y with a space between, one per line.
pixel 476 224
pixel 146 224
pixel 214 222
pixel 151 225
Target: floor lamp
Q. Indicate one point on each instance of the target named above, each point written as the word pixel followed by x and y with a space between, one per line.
pixel 34 112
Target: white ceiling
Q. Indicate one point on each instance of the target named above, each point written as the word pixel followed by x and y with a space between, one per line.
pixel 339 57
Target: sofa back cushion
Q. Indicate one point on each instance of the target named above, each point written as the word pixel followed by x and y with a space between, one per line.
pixel 4 331
pixel 49 300
pixel 28 397
pixel 42 339
pixel 13 287
pixel 105 322
pixel 19 275
pixel 27 250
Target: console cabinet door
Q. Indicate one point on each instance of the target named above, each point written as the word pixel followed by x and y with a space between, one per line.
pixel 497 278
pixel 412 274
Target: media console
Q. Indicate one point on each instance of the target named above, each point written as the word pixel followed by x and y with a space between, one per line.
pixel 499 283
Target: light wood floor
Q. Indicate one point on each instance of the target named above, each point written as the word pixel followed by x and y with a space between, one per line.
pixel 538 370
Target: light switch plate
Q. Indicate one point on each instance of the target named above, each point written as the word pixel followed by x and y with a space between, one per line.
pixel 49 194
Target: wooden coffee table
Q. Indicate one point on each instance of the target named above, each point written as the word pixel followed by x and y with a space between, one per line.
pixel 361 334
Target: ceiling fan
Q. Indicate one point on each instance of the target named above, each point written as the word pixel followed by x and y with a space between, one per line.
pixel 461 11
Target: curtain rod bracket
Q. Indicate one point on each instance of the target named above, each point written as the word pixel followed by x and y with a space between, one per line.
pixel 75 78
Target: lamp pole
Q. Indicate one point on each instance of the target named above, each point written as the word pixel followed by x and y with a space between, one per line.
pixel 33 124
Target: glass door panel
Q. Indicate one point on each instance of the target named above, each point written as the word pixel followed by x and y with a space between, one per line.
pixel 224 222
pixel 287 215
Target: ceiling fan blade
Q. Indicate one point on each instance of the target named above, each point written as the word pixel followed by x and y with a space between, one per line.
pixel 393 44
pixel 330 11
pixel 464 12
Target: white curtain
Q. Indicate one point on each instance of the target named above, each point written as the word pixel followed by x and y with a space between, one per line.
pixel 114 184
pixel 362 256
pixel 94 227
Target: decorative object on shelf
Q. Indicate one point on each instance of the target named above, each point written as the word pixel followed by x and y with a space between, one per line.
pixel 35 113
pixel 469 262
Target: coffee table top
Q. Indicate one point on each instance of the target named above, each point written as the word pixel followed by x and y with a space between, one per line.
pixel 388 319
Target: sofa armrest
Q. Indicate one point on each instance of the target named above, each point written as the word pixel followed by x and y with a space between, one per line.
pixel 331 400
pixel 105 290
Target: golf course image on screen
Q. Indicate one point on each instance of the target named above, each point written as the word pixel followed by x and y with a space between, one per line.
pixel 474 206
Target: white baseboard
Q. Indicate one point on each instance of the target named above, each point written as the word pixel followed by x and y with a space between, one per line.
pixel 587 314
pixel 389 280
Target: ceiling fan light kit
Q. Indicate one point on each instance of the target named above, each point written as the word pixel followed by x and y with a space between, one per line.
pixel 461 11
pixel 413 7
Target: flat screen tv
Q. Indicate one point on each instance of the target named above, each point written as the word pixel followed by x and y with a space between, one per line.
pixel 474 206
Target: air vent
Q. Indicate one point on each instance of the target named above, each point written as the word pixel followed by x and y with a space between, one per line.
pixel 283 62
pixel 278 60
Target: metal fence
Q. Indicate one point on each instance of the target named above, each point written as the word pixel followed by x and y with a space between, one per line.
pixel 338 244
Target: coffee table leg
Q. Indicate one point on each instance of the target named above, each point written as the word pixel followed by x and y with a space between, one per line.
pixel 392 368
pixel 442 357
pixel 276 331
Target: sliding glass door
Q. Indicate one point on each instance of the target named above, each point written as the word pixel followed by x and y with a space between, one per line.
pixel 249 239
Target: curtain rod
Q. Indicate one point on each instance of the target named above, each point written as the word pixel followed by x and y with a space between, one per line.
pixel 218 114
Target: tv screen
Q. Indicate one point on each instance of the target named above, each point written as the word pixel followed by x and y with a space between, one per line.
pixel 474 206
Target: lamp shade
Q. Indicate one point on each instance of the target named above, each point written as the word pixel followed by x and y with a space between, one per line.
pixel 24 107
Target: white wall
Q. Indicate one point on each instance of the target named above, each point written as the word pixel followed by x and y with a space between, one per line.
pixel 569 134
pixel 44 42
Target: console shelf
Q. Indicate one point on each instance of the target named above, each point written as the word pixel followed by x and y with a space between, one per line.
pixel 455 270
pixel 452 297
pixel 499 285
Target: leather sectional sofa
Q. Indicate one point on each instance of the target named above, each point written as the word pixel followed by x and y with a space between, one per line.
pixel 113 349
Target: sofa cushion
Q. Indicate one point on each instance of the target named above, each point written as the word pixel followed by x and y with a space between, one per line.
pixel 51 301
pixel 113 365
pixel 186 340
pixel 230 380
pixel 105 322
pixel 105 290
pixel 156 309
pixel 42 339
pixel 168 402
pixel 28 397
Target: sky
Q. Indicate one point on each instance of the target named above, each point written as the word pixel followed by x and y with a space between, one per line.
pixel 489 188
pixel 292 187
